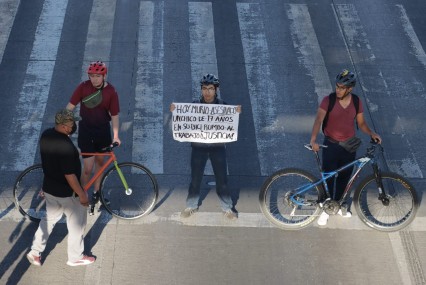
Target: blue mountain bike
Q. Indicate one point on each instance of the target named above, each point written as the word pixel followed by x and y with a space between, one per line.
pixel 293 198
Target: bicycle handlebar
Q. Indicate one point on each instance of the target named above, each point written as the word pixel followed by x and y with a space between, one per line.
pixel 308 146
pixel 110 147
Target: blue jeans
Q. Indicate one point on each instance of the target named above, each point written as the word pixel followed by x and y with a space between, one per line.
pixel 334 157
pixel 199 157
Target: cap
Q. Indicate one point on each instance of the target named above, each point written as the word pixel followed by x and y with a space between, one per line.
pixel 66 115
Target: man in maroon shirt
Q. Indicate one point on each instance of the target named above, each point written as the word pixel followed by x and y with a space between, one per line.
pixel 340 127
pixel 98 107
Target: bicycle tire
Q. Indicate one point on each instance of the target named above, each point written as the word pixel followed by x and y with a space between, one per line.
pixel 402 208
pixel 26 193
pixel 277 209
pixel 144 194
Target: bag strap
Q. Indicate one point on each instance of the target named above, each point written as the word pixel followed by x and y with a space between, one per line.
pixel 332 101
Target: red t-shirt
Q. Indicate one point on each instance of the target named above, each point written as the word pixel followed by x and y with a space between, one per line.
pixel 340 124
pixel 101 114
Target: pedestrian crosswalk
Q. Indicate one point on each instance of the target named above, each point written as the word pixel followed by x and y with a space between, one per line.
pixel 288 65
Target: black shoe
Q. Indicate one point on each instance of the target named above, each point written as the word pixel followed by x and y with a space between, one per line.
pixel 95 197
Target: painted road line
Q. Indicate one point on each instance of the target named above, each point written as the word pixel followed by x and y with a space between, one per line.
pixel 202 49
pixel 99 34
pixel 29 113
pixel 202 43
pixel 8 9
pixel 411 34
pixel 357 40
pixel 217 219
pixel 306 43
pixel 148 114
pixel 262 89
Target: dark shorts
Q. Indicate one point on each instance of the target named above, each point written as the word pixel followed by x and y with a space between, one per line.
pixel 93 140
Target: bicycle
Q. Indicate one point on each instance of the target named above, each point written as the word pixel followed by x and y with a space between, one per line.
pixel 128 190
pixel 293 198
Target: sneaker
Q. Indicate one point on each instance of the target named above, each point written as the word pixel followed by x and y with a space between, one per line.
pixel 231 215
pixel 86 260
pixel 323 218
pixel 188 212
pixel 345 213
pixel 34 260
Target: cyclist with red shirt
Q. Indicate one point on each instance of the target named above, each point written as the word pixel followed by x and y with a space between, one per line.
pixel 339 128
pixel 99 108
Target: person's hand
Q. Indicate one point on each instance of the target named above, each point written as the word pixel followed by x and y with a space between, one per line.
pixel 239 109
pixel 376 138
pixel 172 107
pixel 315 146
pixel 84 199
pixel 117 140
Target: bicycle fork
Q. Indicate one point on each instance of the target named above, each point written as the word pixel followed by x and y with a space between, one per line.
pixel 127 189
pixel 378 177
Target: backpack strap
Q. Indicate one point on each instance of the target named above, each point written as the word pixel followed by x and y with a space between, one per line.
pixel 332 100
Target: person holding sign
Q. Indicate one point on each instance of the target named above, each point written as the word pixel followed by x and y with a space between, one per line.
pixel 214 151
pixel 98 106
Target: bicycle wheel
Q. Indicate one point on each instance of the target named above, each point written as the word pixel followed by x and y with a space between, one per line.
pixel 276 205
pixel 395 211
pixel 144 191
pixel 27 193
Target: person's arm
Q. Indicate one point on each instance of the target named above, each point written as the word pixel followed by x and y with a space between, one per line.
pixel 316 128
pixel 76 187
pixel 115 128
pixel 362 125
pixel 70 107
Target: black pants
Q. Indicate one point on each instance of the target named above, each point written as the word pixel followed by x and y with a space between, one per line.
pixel 334 157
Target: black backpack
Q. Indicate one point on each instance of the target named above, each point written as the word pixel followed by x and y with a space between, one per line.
pixel 332 101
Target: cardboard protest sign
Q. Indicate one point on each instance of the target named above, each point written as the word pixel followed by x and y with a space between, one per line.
pixel 205 123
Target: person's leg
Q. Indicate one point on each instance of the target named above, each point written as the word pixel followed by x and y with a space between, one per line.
pixel 198 163
pixel 330 161
pixel 88 165
pixel 101 141
pixel 99 162
pixel 344 176
pixel 76 223
pixel 54 212
pixel 218 160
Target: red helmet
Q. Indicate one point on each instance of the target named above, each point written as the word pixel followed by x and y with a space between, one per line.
pixel 97 67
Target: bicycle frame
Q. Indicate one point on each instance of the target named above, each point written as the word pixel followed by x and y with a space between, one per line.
pixel 359 165
pixel 112 159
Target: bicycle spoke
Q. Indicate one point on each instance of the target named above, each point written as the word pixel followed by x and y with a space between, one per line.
pixel 143 195
pixel 391 216
pixel 280 209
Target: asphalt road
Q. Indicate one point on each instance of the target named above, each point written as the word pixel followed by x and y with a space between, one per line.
pixel 277 59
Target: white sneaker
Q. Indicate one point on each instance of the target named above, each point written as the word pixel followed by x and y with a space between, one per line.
pixel 346 215
pixel 323 218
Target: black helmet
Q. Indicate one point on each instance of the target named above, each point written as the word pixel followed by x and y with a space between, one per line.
pixel 209 79
pixel 346 78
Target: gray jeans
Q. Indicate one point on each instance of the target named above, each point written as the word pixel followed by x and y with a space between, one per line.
pixel 76 215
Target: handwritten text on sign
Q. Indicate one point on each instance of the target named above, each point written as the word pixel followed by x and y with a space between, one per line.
pixel 205 123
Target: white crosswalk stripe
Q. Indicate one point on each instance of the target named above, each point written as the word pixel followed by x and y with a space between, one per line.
pixel 8 9
pixel 262 89
pixel 148 113
pixel 33 97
